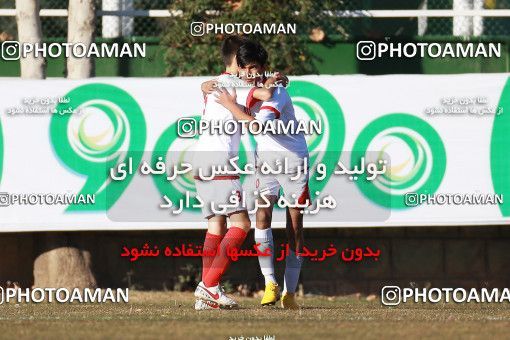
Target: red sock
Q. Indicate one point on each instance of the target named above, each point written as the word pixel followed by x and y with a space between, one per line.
pixel 234 238
pixel 211 242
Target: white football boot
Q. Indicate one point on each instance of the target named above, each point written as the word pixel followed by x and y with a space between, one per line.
pixel 206 305
pixel 215 294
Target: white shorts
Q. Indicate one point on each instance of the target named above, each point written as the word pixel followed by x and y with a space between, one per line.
pixel 216 193
pixel 292 189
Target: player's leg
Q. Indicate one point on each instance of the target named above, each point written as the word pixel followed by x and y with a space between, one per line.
pixel 209 289
pixel 214 192
pixel 293 261
pixel 269 187
pixel 234 238
pixel 216 224
pixel 264 239
pixel 294 189
pixel 216 229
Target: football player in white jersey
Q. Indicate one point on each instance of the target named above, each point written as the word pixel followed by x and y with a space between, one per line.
pixel 216 149
pixel 271 147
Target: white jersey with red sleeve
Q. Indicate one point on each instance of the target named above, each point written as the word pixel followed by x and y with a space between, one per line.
pixel 292 146
pixel 213 145
pixel 215 149
pixel 289 148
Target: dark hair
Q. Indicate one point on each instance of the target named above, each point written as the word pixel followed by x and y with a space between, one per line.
pixel 251 52
pixel 229 48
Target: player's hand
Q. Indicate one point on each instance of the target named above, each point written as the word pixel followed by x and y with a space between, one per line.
pixel 281 79
pixel 209 86
pixel 277 79
pixel 225 98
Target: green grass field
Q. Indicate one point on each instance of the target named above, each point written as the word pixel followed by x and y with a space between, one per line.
pixel 160 315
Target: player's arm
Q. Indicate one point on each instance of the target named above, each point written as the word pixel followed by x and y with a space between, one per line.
pixel 229 101
pixel 209 86
pixel 265 92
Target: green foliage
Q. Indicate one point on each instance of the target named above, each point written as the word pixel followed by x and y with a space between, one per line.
pixel 187 55
pixel 188 278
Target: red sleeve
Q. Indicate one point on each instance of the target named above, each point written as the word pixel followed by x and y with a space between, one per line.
pixel 250 101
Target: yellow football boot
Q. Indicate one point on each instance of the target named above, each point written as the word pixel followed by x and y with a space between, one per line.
pixel 289 301
pixel 271 294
